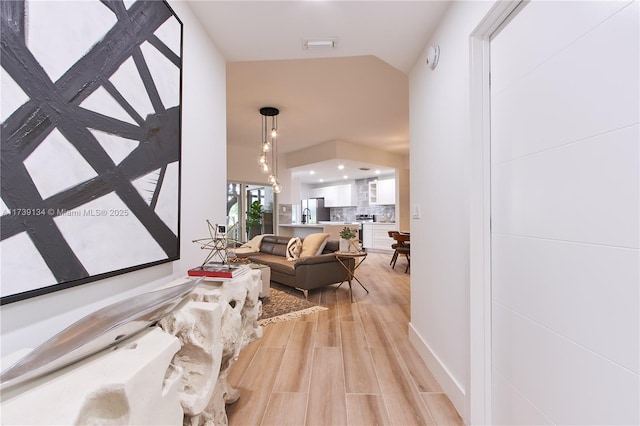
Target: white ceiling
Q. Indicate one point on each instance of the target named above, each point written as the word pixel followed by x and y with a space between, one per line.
pixel 338 170
pixel 357 92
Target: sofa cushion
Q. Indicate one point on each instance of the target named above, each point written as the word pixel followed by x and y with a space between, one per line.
pixel 275 244
pixel 332 246
pixel 313 244
pixel 275 262
pixel 293 248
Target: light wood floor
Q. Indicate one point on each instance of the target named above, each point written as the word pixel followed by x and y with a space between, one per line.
pixel 349 365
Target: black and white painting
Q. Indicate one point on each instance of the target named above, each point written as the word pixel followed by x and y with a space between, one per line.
pixel 90 155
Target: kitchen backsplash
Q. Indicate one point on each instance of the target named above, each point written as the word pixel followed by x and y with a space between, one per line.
pixel 348 214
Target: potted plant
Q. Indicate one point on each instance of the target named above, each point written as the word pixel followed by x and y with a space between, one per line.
pixel 254 219
pixel 347 236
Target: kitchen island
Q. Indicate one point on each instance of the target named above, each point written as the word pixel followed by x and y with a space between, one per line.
pixel 300 230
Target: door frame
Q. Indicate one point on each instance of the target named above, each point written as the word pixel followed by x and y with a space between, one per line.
pixel 478 397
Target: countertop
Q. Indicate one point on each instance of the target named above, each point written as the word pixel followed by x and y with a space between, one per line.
pixel 300 225
pixel 326 223
pixel 355 223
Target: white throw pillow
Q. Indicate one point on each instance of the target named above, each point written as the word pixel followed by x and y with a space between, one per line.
pixel 313 244
pixel 293 248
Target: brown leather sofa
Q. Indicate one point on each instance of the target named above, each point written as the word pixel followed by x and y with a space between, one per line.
pixel 305 273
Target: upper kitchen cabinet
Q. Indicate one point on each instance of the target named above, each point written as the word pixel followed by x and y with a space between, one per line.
pixel 382 192
pixel 336 195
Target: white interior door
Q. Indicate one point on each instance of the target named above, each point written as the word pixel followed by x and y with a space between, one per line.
pixel 565 214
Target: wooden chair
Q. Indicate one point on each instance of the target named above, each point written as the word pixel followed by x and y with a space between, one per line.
pixel 406 250
pixel 401 246
pixel 394 246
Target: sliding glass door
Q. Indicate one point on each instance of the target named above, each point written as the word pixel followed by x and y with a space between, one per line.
pixel 249 210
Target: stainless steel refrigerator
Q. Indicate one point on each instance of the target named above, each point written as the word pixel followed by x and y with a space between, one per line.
pixel 314 211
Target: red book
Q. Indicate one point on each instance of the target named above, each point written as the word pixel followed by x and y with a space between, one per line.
pixel 215 270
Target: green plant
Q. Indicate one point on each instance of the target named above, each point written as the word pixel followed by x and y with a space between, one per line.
pixel 347 233
pixel 254 215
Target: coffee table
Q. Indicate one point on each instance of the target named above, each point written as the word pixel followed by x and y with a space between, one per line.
pixel 358 258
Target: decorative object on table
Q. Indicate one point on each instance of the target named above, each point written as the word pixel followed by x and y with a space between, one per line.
pixel 91 142
pixel 215 271
pixel 216 244
pixel 347 240
pixel 97 331
pixel 284 304
pixel 254 219
pixel 269 145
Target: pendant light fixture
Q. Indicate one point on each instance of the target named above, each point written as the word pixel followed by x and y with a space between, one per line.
pixel 269 147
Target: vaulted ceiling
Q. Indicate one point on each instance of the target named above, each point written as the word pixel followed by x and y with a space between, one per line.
pixel 357 92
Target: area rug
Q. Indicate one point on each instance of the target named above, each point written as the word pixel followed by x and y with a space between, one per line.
pixel 285 303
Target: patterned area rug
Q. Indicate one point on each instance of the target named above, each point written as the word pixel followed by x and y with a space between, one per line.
pixel 285 303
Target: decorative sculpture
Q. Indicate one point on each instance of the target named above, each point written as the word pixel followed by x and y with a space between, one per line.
pixel 97 331
pixel 216 244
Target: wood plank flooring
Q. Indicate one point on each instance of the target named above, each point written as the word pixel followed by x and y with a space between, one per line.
pixel 349 365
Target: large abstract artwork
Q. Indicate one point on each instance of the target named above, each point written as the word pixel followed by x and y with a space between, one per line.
pixel 90 141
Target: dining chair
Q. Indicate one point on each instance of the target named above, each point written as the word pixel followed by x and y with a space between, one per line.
pixel 401 246
pixel 394 246
pixel 406 250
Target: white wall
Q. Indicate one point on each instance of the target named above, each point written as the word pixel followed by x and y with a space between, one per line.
pixel 30 322
pixel 440 170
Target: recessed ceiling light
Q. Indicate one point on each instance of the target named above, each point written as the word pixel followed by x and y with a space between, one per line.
pixel 345 177
pixel 312 172
pixel 341 166
pixel 320 180
pixel 377 172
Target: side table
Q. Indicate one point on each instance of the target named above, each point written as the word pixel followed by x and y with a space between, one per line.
pixel 358 258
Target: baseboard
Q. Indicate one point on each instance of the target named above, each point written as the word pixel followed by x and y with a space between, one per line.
pixel 449 384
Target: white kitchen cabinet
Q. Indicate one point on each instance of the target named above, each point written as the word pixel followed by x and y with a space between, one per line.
pixel 345 195
pixel 382 192
pixel 375 236
pixel 317 193
pixel 336 195
pixel 367 235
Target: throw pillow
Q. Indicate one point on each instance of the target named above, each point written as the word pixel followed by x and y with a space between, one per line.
pixel 255 242
pixel 293 248
pixel 313 244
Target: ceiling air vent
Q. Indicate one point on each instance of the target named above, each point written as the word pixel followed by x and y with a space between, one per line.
pixel 328 43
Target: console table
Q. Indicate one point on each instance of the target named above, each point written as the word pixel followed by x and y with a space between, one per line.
pixel 172 373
